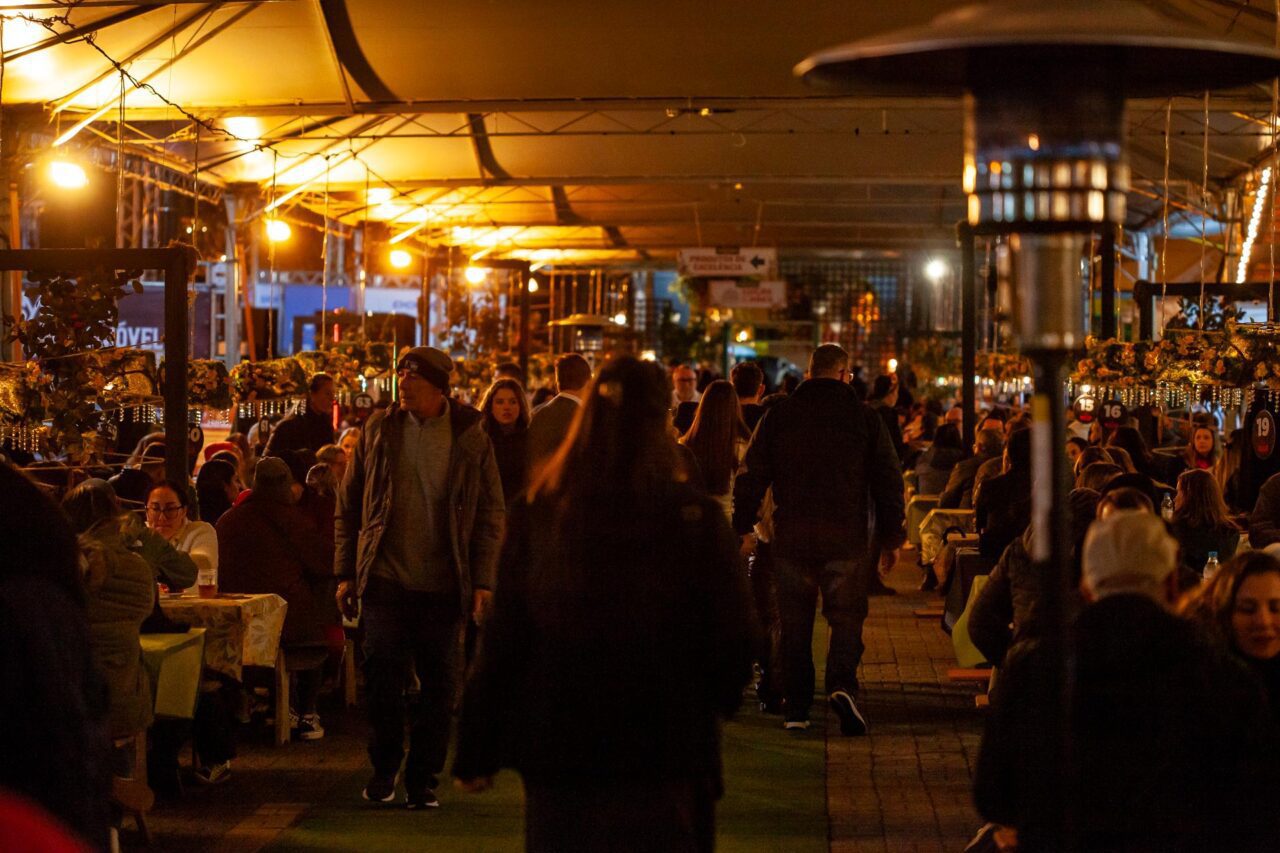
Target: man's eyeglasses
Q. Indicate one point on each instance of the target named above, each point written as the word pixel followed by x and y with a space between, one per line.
pixel 168 510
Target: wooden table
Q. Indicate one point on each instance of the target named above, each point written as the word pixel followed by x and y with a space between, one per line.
pixel 241 630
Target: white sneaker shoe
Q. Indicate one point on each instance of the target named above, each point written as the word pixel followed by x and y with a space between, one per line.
pixel 309 727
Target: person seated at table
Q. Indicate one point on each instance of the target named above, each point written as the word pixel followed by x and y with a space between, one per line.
pixel 1075 447
pixel 1123 498
pixel 217 487
pixel 120 590
pixel 1121 457
pixel 1201 521
pixel 1199 453
pixel 1240 608
pixel 933 469
pixel 53 709
pixel 988 445
pixel 267 544
pixel 1096 475
pixel 1128 439
pixel 1002 505
pixel 168 515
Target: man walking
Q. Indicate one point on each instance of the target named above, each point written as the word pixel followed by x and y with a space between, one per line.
pixel 551 421
pixel 837 491
pixel 418 529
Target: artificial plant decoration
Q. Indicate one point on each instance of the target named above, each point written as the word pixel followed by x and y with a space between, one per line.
pixel 76 315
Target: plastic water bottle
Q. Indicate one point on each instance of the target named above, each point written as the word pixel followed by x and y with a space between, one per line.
pixel 1166 507
pixel 1210 565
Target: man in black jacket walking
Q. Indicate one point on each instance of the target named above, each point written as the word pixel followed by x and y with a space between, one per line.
pixel 838 495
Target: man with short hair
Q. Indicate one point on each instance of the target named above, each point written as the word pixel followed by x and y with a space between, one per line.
pixel 748 381
pixel 1154 711
pixel 958 493
pixel 551 421
pixel 310 426
pixel 829 461
pixel 685 382
pixel 418 527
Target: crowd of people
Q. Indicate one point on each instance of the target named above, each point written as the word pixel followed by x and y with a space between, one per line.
pixel 619 554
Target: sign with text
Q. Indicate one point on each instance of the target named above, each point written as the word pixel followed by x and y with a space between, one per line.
pixel 1086 409
pixel 1113 413
pixel 746 293
pixel 728 262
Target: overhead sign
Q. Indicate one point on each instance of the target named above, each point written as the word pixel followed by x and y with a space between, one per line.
pixel 728 262
pixel 746 293
pixel 1264 435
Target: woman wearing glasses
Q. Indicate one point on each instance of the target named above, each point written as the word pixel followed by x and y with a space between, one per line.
pixel 167 516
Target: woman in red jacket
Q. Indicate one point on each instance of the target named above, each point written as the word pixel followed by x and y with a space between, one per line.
pixel 267 544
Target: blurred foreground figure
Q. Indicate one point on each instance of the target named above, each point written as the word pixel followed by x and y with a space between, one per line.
pixel 622 622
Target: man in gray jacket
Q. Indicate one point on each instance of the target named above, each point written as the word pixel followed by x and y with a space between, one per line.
pixel 418 529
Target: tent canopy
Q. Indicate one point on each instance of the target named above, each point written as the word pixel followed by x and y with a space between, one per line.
pixel 566 129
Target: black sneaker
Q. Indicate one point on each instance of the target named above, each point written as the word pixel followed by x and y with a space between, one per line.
pixel 852 723
pixel 380 789
pixel 422 798
pixel 879 587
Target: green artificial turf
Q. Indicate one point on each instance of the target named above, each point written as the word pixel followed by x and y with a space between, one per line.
pixel 775 800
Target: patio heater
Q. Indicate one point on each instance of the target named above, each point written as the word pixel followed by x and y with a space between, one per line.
pixel 1044 84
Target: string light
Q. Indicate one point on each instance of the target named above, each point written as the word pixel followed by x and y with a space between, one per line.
pixel 1255 220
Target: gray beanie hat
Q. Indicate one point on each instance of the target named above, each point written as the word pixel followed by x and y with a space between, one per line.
pixel 272 480
pixel 431 364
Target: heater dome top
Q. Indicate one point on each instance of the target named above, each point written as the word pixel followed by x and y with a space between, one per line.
pixel 1157 55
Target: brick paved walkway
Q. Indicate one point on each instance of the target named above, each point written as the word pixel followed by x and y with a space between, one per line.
pixel 903 788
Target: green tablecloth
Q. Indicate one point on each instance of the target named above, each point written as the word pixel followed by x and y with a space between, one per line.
pixel 173 663
pixel 243 630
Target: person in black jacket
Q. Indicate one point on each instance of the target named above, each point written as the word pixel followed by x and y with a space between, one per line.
pixel 506 419
pixel 617 584
pixel 1002 505
pixel 310 427
pixel 958 493
pixel 830 463
pixel 884 399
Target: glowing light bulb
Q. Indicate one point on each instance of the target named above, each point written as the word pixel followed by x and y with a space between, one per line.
pixel 744 336
pixel 69 176
pixel 475 275
pixel 533 285
pixel 278 230
pixel 936 270
pixel 400 258
pixel 893 365
pixel 620 318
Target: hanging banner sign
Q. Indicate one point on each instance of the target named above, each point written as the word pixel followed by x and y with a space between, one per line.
pixel 746 293
pixel 728 262
pixel 1263 435
pixel 1113 414
pixel 363 401
pixel 1086 409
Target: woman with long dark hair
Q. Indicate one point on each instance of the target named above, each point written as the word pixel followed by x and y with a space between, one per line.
pixel 933 468
pixel 617 583
pixel 1201 521
pixel 506 419
pixel 717 439
pixel 1130 440
pixel 217 487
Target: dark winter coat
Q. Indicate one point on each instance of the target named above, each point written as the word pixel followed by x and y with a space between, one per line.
pixel 1172 740
pixel 269 547
pixel 1195 543
pixel 475 500
pixel 1001 511
pixel 511 449
pixel 958 492
pixel 933 470
pixel 304 431
pixel 625 667
pixel 548 427
pixel 889 416
pixel 834 476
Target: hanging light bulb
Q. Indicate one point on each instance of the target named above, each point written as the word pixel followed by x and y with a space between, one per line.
pixel 400 258
pixel 475 275
pixel 278 230
pixel 68 175
pixel 533 285
pixel 620 319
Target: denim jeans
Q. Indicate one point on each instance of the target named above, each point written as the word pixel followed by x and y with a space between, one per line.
pixel 423 630
pixel 843 587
